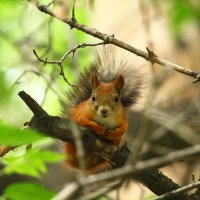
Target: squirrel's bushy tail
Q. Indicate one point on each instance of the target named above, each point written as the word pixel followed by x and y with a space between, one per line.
pixel 107 65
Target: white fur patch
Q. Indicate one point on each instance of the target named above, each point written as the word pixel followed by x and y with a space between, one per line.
pixel 108 122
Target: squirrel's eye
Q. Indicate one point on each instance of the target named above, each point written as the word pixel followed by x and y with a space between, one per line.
pixel 93 98
pixel 116 99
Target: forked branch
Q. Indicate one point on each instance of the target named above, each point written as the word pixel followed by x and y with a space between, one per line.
pixel 110 39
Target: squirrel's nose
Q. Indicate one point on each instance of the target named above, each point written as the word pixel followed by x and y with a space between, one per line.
pixel 104 111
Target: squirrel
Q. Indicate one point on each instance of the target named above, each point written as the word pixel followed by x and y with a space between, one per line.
pixel 104 91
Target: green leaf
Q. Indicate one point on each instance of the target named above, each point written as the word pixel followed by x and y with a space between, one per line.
pixel 31 163
pixel 182 12
pixel 27 190
pixel 13 136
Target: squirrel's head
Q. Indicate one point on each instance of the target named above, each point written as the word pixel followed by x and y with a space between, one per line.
pixel 106 97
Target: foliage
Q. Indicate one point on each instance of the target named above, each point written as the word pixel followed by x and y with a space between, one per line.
pixel 23 30
pixel 14 137
pixel 26 190
pixel 31 162
pixel 182 13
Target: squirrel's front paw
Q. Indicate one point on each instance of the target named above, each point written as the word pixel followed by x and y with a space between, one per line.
pixel 100 130
pixel 110 135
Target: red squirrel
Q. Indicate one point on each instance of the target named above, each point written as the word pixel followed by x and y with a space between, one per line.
pixel 104 91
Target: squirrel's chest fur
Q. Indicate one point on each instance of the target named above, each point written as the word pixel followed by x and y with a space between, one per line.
pixel 109 122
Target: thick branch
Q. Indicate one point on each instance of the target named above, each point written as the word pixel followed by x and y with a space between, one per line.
pixel 142 171
pixel 60 128
pixel 32 104
pixel 178 191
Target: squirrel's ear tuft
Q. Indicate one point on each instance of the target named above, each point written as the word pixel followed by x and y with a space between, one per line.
pixel 119 83
pixel 95 81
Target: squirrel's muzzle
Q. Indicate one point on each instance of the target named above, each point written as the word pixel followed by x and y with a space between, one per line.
pixel 104 111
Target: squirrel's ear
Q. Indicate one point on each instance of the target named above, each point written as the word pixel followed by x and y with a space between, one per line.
pixel 95 81
pixel 119 83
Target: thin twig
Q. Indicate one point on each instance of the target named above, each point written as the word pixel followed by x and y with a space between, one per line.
pixel 103 190
pixel 17 81
pixel 73 10
pixel 79 146
pixel 112 40
pixel 60 62
pixel 178 191
pixel 142 165
pixel 137 169
pixel 62 72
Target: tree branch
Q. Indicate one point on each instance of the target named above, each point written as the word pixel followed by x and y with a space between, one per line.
pixel 145 171
pixel 110 39
pixel 60 128
pixel 60 62
pixel 178 191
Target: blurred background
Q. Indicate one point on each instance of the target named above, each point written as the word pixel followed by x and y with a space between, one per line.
pixel 163 120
